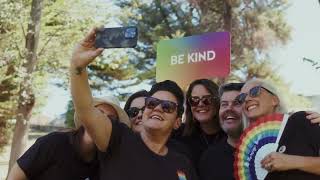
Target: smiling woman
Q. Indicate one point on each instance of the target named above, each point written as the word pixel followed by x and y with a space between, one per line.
pixel 201 127
pixel 299 142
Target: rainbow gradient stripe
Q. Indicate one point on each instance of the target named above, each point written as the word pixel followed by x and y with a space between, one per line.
pixel 181 175
pixel 263 131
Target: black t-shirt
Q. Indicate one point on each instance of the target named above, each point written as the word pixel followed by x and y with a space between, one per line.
pixel 300 137
pixel 217 162
pixel 128 158
pixel 54 157
pixel 198 142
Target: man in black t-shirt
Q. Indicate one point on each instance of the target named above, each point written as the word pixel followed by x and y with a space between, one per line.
pixel 123 154
pixel 217 161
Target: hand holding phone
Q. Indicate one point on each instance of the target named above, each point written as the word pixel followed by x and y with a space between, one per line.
pixel 120 37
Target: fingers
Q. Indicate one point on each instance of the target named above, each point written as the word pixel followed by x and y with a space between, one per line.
pixel 313 116
pixel 91 36
pixel 266 163
pixel 269 167
pixel 97 52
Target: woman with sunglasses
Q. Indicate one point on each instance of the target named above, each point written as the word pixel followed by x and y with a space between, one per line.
pixel 299 148
pixel 134 108
pixel 201 127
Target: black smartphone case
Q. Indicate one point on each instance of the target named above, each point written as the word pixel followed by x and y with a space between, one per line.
pixel 115 38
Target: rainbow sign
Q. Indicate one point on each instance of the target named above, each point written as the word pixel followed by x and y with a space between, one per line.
pixel 257 141
pixel 186 59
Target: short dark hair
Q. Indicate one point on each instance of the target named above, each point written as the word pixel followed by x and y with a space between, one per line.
pixel 173 88
pixel 142 93
pixel 230 87
pixel 191 124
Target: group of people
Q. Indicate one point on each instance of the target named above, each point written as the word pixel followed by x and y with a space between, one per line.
pixel 150 139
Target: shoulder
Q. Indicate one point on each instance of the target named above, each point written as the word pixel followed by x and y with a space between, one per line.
pixel 300 120
pixel 56 137
pixel 53 141
pixel 298 115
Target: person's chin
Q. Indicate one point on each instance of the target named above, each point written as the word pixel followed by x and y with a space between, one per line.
pixel 203 118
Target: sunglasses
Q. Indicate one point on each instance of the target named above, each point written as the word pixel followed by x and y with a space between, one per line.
pixel 253 92
pixel 206 100
pixel 167 106
pixel 134 111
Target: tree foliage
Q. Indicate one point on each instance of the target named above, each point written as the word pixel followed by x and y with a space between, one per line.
pixel 63 24
pixel 69 115
pixel 255 27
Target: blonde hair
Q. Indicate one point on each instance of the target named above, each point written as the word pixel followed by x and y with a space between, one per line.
pixel 281 107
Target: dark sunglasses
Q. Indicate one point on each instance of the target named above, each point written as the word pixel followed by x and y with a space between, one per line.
pixel 253 92
pixel 167 106
pixel 134 111
pixel 206 100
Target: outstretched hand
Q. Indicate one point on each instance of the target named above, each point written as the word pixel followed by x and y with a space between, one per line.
pixel 85 52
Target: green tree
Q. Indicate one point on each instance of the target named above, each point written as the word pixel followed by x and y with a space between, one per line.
pixel 255 27
pixel 69 115
pixel 25 69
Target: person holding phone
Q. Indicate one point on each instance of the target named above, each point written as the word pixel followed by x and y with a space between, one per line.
pixel 122 153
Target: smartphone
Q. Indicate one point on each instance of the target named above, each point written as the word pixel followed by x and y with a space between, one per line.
pixel 119 37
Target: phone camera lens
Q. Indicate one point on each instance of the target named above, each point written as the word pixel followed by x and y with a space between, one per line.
pixel 130 33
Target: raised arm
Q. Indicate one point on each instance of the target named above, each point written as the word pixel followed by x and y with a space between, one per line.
pixel 17 173
pixel 97 124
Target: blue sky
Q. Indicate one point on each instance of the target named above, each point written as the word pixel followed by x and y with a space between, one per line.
pixel 303 16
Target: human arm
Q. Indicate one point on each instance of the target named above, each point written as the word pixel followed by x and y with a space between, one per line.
pixel 98 125
pixel 282 162
pixel 16 173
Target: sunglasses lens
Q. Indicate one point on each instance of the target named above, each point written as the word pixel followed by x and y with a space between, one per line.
pixel 151 102
pixel 255 91
pixel 168 107
pixel 194 101
pixel 241 98
pixel 207 100
pixel 133 112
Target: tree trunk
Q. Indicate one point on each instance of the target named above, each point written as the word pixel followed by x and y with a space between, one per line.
pixel 227 26
pixel 26 97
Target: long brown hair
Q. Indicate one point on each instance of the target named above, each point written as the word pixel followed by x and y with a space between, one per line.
pixel 192 124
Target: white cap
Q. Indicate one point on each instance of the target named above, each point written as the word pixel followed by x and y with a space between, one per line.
pixel 112 101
